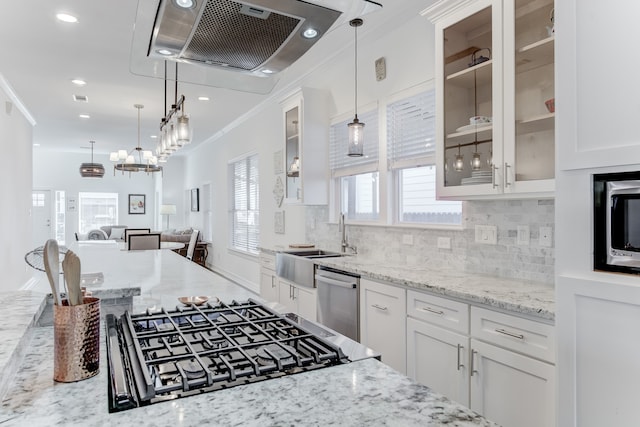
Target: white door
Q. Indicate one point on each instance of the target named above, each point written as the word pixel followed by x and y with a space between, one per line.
pixel 511 389
pixel 438 359
pixel 41 217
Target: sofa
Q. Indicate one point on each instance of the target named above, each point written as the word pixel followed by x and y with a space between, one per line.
pixel 182 235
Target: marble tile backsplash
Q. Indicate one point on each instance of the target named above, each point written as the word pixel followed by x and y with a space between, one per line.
pixel 505 259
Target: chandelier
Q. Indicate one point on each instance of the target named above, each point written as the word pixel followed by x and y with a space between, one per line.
pixel 174 126
pixel 92 170
pixel 136 160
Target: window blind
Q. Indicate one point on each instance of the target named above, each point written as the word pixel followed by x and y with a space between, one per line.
pixel 245 214
pixel 339 143
pixel 411 130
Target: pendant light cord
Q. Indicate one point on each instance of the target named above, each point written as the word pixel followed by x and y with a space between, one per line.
pixel 356 70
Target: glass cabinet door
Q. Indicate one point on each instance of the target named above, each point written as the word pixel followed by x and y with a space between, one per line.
pixel 530 123
pixel 471 109
pixel 292 153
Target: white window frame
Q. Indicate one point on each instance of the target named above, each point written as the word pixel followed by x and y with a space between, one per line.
pixel 249 250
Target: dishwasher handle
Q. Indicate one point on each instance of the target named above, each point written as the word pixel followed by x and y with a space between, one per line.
pixel 334 282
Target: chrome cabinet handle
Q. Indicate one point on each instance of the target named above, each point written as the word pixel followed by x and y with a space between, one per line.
pixel 431 310
pixel 293 292
pixel 473 370
pixel 459 364
pixel 494 168
pixel 510 334
pixel 506 174
pixel 273 282
pixel 379 307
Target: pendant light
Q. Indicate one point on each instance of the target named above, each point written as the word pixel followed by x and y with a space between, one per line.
pixel 91 170
pixel 126 160
pixel 356 127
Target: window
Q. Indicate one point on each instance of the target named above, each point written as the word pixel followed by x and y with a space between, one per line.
pixel 411 159
pixel 96 210
pixel 356 178
pixel 245 215
pixel 60 217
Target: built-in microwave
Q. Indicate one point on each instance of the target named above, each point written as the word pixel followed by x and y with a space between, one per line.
pixel 616 240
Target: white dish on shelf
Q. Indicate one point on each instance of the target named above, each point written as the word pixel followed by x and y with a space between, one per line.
pixel 479 126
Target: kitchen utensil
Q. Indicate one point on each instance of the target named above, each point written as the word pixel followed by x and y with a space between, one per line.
pixel 71 268
pixel 52 268
pixel 196 300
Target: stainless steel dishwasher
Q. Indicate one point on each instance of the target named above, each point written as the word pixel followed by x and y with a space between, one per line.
pixel 338 301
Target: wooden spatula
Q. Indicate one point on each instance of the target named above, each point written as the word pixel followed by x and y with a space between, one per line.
pixel 52 268
pixel 71 268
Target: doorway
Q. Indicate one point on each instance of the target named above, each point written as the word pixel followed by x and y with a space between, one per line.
pixel 41 217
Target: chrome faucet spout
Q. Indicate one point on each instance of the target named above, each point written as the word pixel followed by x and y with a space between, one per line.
pixel 344 244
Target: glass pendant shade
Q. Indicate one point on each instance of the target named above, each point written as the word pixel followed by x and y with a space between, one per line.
pixel 356 138
pixel 113 156
pixel 130 159
pixel 476 163
pixel 173 143
pixel 183 131
pixel 458 163
pixel 122 154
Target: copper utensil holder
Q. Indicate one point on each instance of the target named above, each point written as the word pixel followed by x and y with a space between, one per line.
pixel 76 332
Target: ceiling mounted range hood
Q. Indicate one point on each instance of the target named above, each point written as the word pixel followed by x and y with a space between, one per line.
pixel 254 40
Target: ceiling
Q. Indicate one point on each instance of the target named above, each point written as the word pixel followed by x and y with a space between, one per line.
pixel 41 55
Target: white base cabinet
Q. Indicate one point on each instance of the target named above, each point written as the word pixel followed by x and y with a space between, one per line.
pixel 438 358
pixel 268 279
pixel 499 365
pixel 298 299
pixel 382 321
pixel 511 389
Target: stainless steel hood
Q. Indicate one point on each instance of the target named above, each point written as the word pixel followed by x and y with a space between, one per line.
pixel 238 44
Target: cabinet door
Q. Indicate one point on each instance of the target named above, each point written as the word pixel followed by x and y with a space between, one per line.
pixel 382 321
pixel 286 296
pixel 529 143
pixel 469 79
pixel 306 302
pixel 438 359
pixel 268 285
pixel 511 389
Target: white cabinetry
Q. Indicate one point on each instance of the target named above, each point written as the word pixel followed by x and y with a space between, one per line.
pixel 382 321
pixel 306 131
pixel 494 59
pixel 268 279
pixel 499 365
pixel 506 387
pixel 298 299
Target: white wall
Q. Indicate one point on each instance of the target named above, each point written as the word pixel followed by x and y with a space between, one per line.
pixel 408 64
pixel 15 191
pixel 172 189
pixel 58 171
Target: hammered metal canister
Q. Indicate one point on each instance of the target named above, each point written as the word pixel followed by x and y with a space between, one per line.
pixel 76 340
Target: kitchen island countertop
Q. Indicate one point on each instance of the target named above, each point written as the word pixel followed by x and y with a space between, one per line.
pixel 366 392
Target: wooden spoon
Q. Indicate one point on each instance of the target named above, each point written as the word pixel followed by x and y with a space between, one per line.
pixel 52 268
pixel 71 268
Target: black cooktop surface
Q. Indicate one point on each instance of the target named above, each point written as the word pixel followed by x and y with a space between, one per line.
pixel 163 355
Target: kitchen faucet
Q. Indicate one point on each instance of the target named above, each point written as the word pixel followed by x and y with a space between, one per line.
pixel 344 245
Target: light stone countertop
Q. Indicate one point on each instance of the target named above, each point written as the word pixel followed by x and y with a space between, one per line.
pixel 359 393
pixel 513 295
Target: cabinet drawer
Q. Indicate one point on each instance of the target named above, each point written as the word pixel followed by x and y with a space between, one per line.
pixel 522 335
pixel 440 311
pixel 268 261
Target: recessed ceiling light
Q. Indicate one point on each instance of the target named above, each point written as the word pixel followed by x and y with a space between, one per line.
pixel 153 136
pixel 36 145
pixel 267 71
pixel 203 98
pixel 84 116
pixel 78 82
pixel 187 4
pixel 65 17
pixel 164 52
pixel 310 33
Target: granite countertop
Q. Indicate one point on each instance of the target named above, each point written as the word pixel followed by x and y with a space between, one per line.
pixel 513 295
pixel 366 392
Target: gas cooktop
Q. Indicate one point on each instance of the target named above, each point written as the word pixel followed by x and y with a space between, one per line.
pixel 163 355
